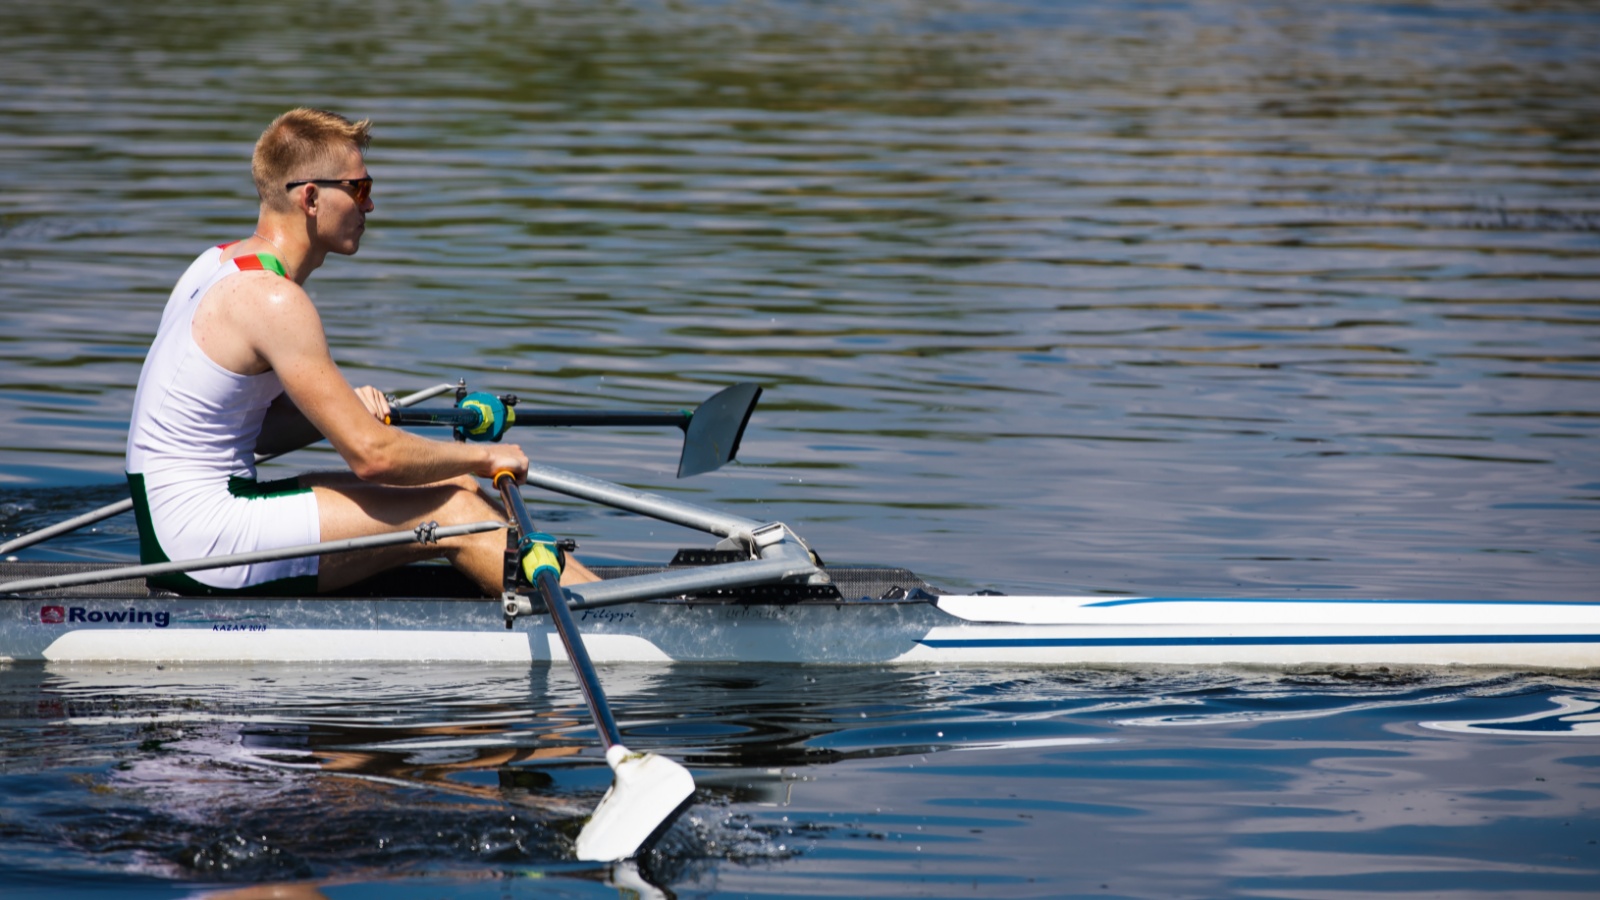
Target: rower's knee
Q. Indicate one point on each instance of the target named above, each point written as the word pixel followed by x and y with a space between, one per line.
pixel 462 482
pixel 468 499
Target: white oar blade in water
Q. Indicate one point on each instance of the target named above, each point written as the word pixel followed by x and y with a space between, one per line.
pixel 645 793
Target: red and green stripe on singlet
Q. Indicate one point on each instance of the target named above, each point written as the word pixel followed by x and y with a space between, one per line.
pixel 257 262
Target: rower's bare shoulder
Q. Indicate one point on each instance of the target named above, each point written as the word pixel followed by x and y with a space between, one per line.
pixel 255 299
pixel 266 288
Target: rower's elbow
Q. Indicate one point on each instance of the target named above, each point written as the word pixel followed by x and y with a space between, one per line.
pixel 370 470
pixel 373 462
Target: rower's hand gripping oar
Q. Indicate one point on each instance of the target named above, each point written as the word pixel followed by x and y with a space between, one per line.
pixel 647 790
pixel 712 430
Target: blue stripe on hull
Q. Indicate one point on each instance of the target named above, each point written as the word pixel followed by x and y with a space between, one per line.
pixel 1312 601
pixel 1228 641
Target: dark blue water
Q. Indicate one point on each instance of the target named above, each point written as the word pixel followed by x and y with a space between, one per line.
pixel 813 782
pixel 1220 298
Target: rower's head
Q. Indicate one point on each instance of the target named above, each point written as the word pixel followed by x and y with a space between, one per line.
pixel 310 170
pixel 305 151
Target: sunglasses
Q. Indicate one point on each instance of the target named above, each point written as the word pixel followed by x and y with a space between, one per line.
pixel 360 188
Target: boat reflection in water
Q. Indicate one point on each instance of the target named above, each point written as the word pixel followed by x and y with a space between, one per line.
pixel 307 777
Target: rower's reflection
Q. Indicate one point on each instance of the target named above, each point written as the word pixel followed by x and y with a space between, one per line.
pixel 492 750
pixel 437 756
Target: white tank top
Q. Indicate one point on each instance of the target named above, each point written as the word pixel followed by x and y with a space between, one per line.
pixel 194 422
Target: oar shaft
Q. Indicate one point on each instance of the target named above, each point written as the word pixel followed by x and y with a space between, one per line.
pixel 450 416
pixel 555 599
pixel 601 417
pixel 73 524
pixel 470 418
pixel 550 591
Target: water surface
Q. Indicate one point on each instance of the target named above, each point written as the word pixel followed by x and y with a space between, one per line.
pixel 813 782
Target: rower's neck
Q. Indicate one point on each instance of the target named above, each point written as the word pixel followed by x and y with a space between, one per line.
pixel 290 244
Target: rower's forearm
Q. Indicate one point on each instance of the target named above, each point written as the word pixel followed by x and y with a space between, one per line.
pixel 404 459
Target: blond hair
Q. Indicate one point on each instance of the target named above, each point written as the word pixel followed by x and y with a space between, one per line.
pixel 303 143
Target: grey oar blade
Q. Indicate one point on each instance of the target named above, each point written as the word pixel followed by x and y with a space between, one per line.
pixel 712 438
pixel 646 792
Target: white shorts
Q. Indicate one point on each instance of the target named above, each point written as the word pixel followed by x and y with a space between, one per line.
pixel 187 520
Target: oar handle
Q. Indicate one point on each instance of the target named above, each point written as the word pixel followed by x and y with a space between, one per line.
pixel 555 599
pixel 506 483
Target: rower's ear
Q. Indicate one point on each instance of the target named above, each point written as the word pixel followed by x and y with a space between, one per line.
pixel 305 198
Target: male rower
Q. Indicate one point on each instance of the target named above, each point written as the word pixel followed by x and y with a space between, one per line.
pixel 240 364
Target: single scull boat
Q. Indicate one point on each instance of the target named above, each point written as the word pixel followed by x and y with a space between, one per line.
pixel 761 595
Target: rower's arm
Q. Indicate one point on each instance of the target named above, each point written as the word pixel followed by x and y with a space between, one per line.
pixel 285 331
pixel 285 428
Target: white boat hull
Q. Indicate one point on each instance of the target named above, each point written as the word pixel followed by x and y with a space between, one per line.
pixel 942 631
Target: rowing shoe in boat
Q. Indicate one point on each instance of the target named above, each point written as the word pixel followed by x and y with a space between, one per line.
pixel 760 594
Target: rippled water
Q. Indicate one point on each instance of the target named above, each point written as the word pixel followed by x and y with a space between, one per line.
pixel 813 782
pixel 1253 298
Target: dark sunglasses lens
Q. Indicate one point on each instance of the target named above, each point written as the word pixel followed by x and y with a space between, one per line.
pixel 363 189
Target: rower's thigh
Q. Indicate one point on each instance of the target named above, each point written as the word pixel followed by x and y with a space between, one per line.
pixel 357 509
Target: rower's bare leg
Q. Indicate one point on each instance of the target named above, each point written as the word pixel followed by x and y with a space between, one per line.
pixel 350 508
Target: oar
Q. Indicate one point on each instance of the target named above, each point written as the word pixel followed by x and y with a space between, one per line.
pixel 712 430
pixel 122 506
pixel 647 790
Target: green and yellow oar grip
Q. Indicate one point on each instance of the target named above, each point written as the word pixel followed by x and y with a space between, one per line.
pixel 494 417
pixel 485 413
pixel 539 552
